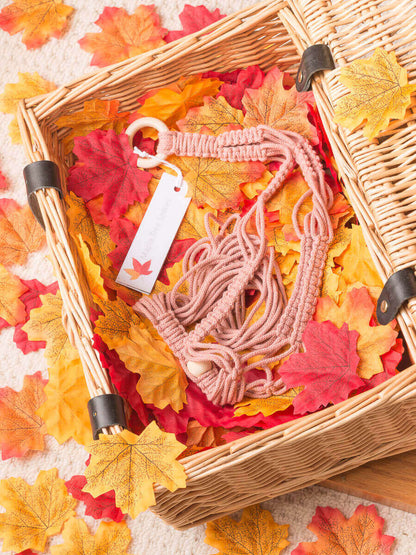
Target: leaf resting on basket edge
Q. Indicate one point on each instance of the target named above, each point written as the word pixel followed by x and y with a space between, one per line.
pixel 255 534
pixel 379 92
pixel 131 464
pixel 362 534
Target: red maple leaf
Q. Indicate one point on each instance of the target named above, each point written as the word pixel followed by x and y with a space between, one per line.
pixel 328 368
pixel 252 77
pixel 122 233
pixel 31 300
pixel 107 164
pixel 98 507
pixel 194 18
pixel 139 269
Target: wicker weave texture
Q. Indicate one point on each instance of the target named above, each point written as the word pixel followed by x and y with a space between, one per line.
pixel 378 178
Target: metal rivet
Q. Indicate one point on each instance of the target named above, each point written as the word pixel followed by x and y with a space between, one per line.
pixel 384 306
pixel 94 414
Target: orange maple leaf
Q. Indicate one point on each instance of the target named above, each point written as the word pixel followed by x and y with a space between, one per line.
pixel 38 19
pixel 215 117
pixel 362 534
pixel 123 35
pixel 139 269
pixel 21 430
pixel 114 324
pixel 11 307
pixel 272 104
pixel 96 114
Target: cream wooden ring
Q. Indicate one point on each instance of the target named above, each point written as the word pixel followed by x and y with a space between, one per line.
pixel 136 126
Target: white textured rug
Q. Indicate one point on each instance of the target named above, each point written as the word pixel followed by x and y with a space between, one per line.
pixel 62 61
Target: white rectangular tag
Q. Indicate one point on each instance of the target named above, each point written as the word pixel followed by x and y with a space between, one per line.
pixel 155 235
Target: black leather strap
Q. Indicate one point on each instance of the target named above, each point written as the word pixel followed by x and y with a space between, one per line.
pixel 40 175
pixel 399 288
pixel 317 57
pixel 106 410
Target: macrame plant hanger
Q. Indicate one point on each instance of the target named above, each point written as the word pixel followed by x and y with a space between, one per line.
pixel 208 327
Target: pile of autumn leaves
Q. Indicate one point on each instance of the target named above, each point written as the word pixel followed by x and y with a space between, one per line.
pixel 108 196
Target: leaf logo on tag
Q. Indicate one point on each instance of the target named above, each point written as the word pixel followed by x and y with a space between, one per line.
pixel 139 269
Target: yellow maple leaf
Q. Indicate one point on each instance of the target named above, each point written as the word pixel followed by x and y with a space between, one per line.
pixel 357 311
pixel 113 326
pixel 92 271
pixel 174 275
pixel 96 114
pixel 193 223
pixel 172 104
pixel 20 233
pixel 38 19
pixel 379 93
pixel 356 261
pixel 254 188
pixel 95 235
pixel 215 117
pixel 45 324
pixel 65 410
pixel 268 406
pixel 28 85
pixel 255 534
pixel 11 307
pixel 215 182
pixel 162 381
pixel 274 105
pixel 111 538
pixel 131 464
pixel 33 513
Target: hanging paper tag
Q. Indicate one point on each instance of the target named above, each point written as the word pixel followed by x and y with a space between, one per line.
pixel 155 235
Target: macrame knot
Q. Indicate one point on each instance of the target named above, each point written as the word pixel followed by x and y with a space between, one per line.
pixel 211 325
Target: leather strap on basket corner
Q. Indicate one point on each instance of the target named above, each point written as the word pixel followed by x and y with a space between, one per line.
pixel 43 174
pixel 219 269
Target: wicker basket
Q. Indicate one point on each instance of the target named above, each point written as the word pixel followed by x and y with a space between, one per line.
pixel 380 179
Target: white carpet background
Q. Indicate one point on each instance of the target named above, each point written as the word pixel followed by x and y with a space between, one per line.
pixel 62 61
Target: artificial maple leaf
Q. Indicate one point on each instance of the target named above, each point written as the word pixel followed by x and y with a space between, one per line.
pixel 21 430
pixel 162 381
pixel 113 326
pixel 95 235
pixel 356 262
pixel 45 324
pixel 131 464
pixel 379 93
pixel 172 104
pixel 111 538
pixel 123 35
pixel 102 506
pixel 12 310
pixel 92 272
pixel 267 406
pixel 4 184
pixel 122 233
pixel 139 269
pixel 31 299
pixel 256 534
pixel 106 164
pixel 193 223
pixel 96 114
pixel 215 182
pixel 65 410
pixel 28 85
pixel 362 534
pixel 20 233
pixel 193 19
pixel 33 513
pixel 280 108
pixel 251 77
pixel 328 368
pixel 203 436
pixel 215 117
pixel 38 19
pixel 357 311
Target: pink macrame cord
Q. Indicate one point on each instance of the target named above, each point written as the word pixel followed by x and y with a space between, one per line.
pixel 219 269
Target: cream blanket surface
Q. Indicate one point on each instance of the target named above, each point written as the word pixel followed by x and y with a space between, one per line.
pixel 62 61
